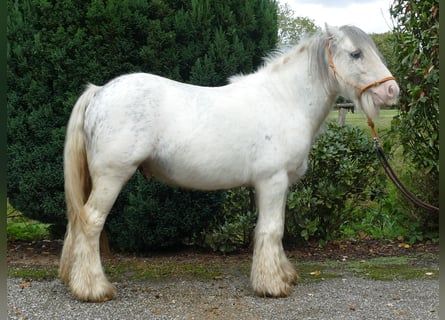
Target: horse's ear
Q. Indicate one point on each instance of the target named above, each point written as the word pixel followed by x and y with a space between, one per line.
pixel 331 31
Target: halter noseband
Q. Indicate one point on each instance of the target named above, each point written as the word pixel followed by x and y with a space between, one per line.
pixel 337 74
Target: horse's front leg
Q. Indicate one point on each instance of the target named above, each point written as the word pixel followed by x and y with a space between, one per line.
pixel 272 274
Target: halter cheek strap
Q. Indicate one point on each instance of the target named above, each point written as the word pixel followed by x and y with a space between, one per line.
pixel 337 74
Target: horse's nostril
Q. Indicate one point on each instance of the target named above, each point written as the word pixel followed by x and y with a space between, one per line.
pixel 393 91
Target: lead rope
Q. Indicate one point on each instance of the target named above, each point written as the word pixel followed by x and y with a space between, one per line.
pixel 391 174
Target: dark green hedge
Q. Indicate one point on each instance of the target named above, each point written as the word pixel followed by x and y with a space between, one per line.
pixel 156 216
pixel 56 47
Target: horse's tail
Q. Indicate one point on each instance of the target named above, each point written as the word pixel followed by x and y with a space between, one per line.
pixel 77 178
pixel 75 165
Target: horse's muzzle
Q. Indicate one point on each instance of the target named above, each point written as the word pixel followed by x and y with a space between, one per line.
pixel 386 93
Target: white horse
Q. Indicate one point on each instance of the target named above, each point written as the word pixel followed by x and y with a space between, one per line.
pixel 257 131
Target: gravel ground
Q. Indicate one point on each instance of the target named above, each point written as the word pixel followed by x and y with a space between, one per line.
pixel 231 298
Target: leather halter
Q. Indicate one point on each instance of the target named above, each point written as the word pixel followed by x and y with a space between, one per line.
pixel 337 74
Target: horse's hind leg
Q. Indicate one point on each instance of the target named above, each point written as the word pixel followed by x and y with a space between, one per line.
pixel 87 279
pixel 272 273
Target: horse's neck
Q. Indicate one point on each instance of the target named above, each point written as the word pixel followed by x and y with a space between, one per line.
pixel 309 95
pixel 320 103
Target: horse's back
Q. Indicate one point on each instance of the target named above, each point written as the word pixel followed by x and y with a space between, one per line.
pixel 178 130
pixel 198 137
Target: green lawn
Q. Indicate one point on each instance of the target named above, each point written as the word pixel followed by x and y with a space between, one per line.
pixel 358 119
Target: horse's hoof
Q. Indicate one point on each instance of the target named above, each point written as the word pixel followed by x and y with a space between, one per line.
pixel 106 293
pixel 278 285
pixel 281 290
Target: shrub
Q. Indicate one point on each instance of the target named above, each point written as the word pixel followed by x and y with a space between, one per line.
pixel 343 173
pixel 152 215
pixel 385 219
pixel 236 230
pixel 416 46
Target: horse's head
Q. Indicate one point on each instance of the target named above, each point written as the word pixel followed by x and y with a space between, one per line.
pixel 360 73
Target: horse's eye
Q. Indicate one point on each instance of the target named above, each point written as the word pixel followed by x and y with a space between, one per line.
pixel 357 54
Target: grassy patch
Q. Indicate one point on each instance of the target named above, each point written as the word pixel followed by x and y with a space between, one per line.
pixel 358 119
pixel 33 272
pixel 392 268
pixel 382 268
pixel 416 267
pixel 18 227
pixel 315 272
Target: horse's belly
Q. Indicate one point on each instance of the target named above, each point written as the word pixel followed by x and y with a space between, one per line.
pixel 200 172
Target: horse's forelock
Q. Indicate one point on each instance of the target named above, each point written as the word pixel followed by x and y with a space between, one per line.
pixel 357 35
pixel 360 39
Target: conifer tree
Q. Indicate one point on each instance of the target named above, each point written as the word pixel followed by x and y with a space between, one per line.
pixel 56 47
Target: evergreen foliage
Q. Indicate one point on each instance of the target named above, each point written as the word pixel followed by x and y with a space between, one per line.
pixel 56 47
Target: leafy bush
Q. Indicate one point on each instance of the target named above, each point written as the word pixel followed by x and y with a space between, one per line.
pixel 19 227
pixel 416 46
pixel 383 219
pixel 239 221
pixel 26 230
pixel 343 173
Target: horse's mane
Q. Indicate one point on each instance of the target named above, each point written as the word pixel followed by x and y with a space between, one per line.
pixel 313 44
